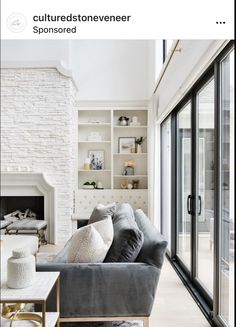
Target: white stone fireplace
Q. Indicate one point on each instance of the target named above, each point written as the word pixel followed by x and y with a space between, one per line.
pixel 38 142
pixel 33 184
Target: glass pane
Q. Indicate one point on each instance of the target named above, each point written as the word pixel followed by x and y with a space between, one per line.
pixel 205 185
pixel 168 46
pixel 166 180
pixel 227 191
pixel 184 184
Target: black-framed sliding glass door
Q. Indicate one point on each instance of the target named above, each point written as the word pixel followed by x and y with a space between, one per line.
pixel 224 311
pixel 204 194
pixel 201 189
pixel 195 189
pixel 184 185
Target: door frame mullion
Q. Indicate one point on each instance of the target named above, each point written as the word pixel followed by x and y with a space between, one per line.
pixel 193 187
pixel 207 77
pixel 173 185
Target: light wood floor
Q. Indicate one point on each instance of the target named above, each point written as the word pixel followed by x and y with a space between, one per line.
pixel 173 306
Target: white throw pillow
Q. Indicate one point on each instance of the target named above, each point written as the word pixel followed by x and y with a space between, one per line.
pixel 91 243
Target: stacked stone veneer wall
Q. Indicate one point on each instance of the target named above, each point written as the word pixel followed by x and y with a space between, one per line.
pixel 38 132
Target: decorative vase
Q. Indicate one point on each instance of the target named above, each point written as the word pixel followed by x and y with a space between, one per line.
pixel 87 164
pixel 124 121
pixel 129 171
pixel 20 269
pixel 139 148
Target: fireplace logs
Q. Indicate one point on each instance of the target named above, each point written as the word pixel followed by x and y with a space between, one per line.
pixel 19 214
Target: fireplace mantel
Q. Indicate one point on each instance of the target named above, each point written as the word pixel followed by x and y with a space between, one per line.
pixel 33 184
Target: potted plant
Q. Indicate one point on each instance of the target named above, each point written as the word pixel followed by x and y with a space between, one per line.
pixel 139 141
pixel 89 185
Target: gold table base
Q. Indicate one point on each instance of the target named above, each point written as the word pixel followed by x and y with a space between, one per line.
pixel 13 313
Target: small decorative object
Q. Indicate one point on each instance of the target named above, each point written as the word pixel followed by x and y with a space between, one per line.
pixel 20 269
pixel 139 141
pixel 96 159
pixel 124 185
pixel 135 121
pixel 123 121
pixel 135 184
pixel 94 137
pixel 87 164
pixel 100 185
pixel 129 186
pixel 89 185
pixel 129 168
pixel 126 144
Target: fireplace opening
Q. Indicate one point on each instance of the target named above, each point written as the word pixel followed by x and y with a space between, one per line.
pixel 10 204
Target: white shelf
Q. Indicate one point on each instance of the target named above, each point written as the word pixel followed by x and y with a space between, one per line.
pixel 127 127
pixel 94 171
pixel 94 124
pixel 81 142
pixel 130 154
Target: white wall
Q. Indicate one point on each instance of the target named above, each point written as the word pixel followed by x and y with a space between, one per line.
pixel 35 51
pixel 102 69
pixel 111 69
pixel 186 65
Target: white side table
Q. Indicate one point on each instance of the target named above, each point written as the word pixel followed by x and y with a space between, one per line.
pixel 37 294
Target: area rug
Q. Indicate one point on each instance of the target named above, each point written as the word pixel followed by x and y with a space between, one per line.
pixel 105 324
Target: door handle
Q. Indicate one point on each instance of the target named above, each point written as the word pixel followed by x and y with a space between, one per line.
pixel 189 204
pixel 200 205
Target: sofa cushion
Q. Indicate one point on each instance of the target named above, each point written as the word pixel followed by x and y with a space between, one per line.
pixel 91 243
pixel 154 245
pixel 128 239
pixel 101 212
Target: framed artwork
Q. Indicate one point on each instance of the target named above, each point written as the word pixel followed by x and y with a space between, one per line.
pixel 126 144
pixel 97 159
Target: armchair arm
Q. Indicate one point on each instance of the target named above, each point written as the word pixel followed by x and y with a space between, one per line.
pixel 104 289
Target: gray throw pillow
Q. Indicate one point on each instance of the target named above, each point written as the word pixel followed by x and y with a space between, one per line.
pixel 154 245
pixel 101 212
pixel 128 239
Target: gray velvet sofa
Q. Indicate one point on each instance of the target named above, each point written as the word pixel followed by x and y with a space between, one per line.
pixel 111 291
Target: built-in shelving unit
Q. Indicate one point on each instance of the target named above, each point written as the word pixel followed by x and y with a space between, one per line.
pixel 104 120
pixel 106 124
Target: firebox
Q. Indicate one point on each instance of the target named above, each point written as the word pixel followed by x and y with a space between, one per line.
pixel 10 204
